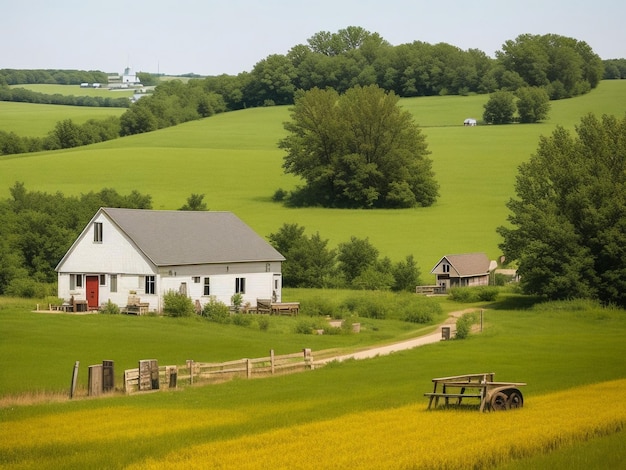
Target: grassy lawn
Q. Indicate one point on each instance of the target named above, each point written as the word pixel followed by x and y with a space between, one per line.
pixel 571 357
pixel 37 120
pixel 75 90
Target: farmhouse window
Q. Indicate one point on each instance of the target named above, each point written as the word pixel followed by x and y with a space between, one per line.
pixel 150 285
pixel 113 281
pixel 446 268
pixel 102 280
pixel 240 285
pixel 196 279
pixel 268 267
pixel 207 286
pixel 76 280
pixel 97 232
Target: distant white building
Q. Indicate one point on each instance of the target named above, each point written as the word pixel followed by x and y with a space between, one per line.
pixel 127 80
pixel 130 78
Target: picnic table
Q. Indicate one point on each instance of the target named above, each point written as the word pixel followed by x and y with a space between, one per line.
pixel 492 395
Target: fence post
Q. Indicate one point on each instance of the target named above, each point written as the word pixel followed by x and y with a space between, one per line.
pixel 190 367
pixel 272 360
pixel 308 360
pixel 74 379
pixel 108 376
pixel 95 380
pixel 248 368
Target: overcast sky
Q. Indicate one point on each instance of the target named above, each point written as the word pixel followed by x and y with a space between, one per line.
pixel 210 37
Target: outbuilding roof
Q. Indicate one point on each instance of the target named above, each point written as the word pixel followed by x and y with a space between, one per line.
pixel 171 238
pixel 467 264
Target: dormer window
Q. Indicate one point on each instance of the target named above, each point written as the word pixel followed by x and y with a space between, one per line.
pixel 97 232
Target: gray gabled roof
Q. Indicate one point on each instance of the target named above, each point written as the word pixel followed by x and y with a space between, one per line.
pixel 467 264
pixel 170 238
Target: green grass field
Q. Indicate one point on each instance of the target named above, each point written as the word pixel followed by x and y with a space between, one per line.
pixel 556 349
pixel 343 414
pixel 233 159
pixel 37 120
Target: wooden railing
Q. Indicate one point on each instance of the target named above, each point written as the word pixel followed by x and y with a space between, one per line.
pixel 195 372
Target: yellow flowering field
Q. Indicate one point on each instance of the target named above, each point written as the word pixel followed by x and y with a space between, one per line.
pixel 413 438
pixel 408 437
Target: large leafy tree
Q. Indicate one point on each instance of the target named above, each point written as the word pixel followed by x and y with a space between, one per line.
pixel 500 108
pixel 533 104
pixel 568 230
pixel 359 149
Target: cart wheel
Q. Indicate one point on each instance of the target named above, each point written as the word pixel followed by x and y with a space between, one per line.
pixel 499 402
pixel 515 400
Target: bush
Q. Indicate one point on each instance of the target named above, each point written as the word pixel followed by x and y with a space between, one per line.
pixel 216 311
pixel 474 294
pixel 320 306
pixel 29 288
pixel 241 320
pixel 464 325
pixel 110 308
pixel 263 322
pixel 237 300
pixel 176 304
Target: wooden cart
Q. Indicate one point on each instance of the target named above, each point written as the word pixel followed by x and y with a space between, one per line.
pixel 491 395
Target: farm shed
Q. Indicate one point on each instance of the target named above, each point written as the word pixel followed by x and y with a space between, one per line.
pixel 133 253
pixel 463 270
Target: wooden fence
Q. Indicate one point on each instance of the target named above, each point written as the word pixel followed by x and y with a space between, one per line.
pixel 195 372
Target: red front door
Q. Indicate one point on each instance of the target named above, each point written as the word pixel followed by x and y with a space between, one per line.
pixel 92 283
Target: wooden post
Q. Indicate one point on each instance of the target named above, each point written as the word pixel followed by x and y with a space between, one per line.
pixel 108 376
pixel 308 360
pixel 154 374
pixel 190 368
pixel 481 320
pixel 74 379
pixel 171 372
pixel 95 380
pixel 248 368
pixel 272 360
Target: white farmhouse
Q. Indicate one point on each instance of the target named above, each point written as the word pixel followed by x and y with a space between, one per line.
pixel 146 253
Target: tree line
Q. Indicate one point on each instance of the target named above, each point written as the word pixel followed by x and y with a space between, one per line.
pixel 561 67
pixel 50 76
pixel 354 264
pixel 38 228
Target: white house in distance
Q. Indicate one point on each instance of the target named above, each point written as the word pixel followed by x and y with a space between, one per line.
pixel 463 270
pixel 124 252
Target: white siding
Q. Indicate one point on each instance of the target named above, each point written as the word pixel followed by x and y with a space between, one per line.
pixel 117 255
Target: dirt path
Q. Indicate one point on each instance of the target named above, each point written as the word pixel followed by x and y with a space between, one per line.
pixel 402 345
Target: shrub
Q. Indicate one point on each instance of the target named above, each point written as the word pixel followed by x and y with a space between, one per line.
pixel 29 288
pixel 263 322
pixel 464 325
pixel 487 294
pixel 237 300
pixel 241 320
pixel 176 304
pixel 319 306
pixel 110 308
pixel 460 294
pixel 216 311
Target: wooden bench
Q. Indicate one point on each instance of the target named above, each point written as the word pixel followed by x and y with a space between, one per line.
pixel 285 308
pixel 263 306
pixel 134 306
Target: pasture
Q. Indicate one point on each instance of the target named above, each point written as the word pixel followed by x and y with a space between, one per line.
pixel 356 414
pixel 37 120
pixel 233 160
pixel 76 90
